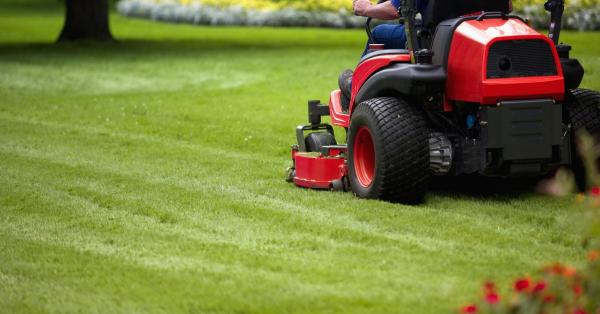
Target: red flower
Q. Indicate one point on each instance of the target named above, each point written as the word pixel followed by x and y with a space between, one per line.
pixel 489 287
pixel 569 271
pixel 468 309
pixel 595 191
pixel 579 311
pixel 593 255
pixel 540 286
pixel 492 298
pixel 556 269
pixel 577 289
pixel 559 269
pixel 549 298
pixel 522 284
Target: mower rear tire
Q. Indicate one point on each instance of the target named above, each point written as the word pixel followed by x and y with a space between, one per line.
pixel 584 111
pixel 317 140
pixel 583 107
pixel 388 151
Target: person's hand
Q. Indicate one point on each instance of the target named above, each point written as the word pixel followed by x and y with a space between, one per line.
pixel 361 7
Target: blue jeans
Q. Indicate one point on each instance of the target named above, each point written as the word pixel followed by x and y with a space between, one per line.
pixel 391 35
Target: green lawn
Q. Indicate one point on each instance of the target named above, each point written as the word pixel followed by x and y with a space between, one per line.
pixel 147 175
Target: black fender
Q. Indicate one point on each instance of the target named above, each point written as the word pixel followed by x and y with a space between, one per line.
pixel 413 80
pixel 573 73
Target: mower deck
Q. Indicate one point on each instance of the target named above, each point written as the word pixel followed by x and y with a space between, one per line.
pixel 320 170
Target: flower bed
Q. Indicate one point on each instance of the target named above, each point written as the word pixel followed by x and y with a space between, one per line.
pixel 580 15
pixel 582 18
pixel 220 14
pixel 558 288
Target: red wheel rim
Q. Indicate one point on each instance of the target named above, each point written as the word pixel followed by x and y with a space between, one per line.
pixel 364 157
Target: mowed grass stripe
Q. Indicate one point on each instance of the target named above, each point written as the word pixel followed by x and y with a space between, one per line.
pixel 237 191
pixel 336 225
pixel 336 220
pixel 219 187
pixel 141 138
pixel 72 238
pixel 147 175
pixel 90 244
pixel 112 202
pixel 54 150
pixel 203 294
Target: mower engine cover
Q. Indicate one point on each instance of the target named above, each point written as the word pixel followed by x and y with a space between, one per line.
pixel 499 59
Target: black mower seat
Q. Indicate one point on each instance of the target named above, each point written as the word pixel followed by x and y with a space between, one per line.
pixel 441 10
pixel 384 52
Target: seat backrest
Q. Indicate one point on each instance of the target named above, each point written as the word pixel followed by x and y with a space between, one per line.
pixel 441 10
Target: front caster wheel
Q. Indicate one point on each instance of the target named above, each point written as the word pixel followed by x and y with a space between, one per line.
pixel 337 186
pixel 317 140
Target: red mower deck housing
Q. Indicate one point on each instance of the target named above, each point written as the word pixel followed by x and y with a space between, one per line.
pixel 318 171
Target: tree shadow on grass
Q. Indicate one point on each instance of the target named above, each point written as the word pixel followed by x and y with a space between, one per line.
pixel 272 40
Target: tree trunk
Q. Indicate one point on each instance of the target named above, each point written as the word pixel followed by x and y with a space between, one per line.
pixel 86 19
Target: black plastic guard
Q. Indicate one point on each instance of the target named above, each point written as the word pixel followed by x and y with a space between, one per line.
pixel 524 130
pixel 414 80
pixel 573 72
pixel 529 135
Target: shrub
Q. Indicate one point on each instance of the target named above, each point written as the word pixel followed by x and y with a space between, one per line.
pixel 253 13
pixel 303 5
pixel 519 4
pixel 580 14
pixel 582 18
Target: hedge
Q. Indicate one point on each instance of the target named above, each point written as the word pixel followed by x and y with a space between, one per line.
pixel 249 12
pixel 579 15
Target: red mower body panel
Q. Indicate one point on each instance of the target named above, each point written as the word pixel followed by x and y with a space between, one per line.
pixel 362 73
pixel 366 68
pixel 468 78
pixel 338 117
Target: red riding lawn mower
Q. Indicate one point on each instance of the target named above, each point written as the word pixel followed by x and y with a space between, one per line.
pixel 474 93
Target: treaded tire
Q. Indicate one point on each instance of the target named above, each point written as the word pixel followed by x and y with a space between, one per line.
pixel 315 141
pixel 400 141
pixel 584 110
pixel 583 107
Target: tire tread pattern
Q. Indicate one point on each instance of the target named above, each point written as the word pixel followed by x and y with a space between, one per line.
pixel 315 141
pixel 404 158
pixel 584 110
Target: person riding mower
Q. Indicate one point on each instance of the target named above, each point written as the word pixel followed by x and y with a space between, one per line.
pixel 392 36
pixel 475 91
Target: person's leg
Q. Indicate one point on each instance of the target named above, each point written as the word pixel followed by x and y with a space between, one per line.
pixel 345 83
pixel 391 35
